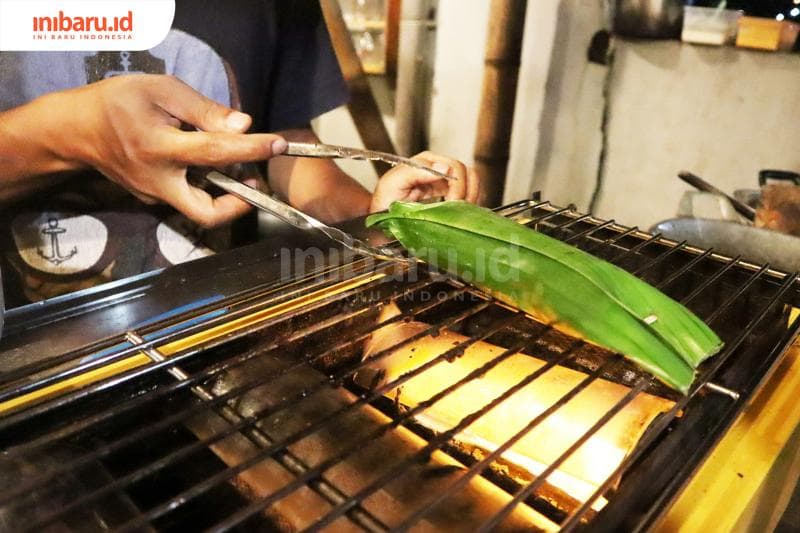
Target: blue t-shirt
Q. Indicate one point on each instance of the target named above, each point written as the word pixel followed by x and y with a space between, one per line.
pixel 272 59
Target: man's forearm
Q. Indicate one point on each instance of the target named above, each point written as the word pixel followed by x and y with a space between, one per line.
pixel 26 159
pixel 317 186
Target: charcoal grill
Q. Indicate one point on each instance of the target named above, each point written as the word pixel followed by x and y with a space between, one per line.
pixel 219 395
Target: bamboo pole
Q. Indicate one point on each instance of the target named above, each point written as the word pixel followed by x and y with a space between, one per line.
pixel 362 105
pixel 501 72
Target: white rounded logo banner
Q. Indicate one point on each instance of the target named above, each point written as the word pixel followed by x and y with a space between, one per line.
pixel 84 25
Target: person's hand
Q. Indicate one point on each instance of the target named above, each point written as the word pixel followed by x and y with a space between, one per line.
pixel 404 183
pixel 128 128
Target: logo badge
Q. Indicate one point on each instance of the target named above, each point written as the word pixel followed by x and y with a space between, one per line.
pixel 84 25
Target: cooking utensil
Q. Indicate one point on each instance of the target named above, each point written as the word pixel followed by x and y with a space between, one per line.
pixel 758 245
pixel 648 18
pixel 331 151
pixel 295 217
pixel 701 184
pixel 779 175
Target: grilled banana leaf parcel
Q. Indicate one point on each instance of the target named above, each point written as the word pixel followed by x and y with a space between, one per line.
pixel 557 284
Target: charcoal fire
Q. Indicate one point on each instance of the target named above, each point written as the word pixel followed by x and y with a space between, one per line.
pixel 582 473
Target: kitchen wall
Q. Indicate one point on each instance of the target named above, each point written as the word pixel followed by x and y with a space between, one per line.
pixel 723 113
pixel 660 107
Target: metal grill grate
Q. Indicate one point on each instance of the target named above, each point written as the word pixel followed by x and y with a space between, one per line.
pixel 180 437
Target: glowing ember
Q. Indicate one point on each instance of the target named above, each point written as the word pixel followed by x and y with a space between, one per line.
pixel 582 473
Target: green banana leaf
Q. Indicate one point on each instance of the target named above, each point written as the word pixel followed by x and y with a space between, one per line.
pixel 556 283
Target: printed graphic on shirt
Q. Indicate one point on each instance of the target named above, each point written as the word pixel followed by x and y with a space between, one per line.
pixel 179 242
pixel 106 65
pixel 59 243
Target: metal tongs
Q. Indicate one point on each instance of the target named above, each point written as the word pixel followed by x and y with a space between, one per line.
pixel 298 219
pixel 303 221
pixel 330 151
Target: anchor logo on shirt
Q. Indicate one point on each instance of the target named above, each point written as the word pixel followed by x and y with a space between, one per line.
pixel 104 65
pixel 54 230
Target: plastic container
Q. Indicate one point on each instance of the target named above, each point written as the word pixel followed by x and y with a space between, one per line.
pixel 709 25
pixel 766 34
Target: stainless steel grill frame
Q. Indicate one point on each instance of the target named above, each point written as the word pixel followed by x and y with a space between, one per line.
pixel 747 304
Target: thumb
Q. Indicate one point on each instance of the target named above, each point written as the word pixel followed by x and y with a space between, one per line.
pixel 183 102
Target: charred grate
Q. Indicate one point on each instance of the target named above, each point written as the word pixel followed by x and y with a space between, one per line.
pixel 226 432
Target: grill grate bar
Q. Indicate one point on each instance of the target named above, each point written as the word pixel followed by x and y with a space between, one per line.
pixel 521 495
pixel 548 216
pixel 658 259
pixel 735 296
pixel 589 231
pixel 712 279
pixel 277 344
pixel 320 468
pixel 174 336
pixel 569 222
pixel 515 209
pixel 309 283
pixel 219 400
pixel 637 248
pixel 444 437
pixel 660 425
pixel 283 456
pixel 720 359
pixel 41 382
pixel 481 466
pixel 683 270
pixel 611 241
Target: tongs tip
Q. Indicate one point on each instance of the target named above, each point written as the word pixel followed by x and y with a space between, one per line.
pixel 331 151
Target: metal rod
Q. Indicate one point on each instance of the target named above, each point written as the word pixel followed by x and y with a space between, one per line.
pixel 282 455
pixel 684 269
pixel 712 279
pixel 636 248
pixel 174 336
pixel 658 259
pixel 719 389
pixel 318 469
pixel 440 439
pixel 612 240
pixel 481 465
pixel 661 424
pixel 521 206
pixel 588 231
pixel 40 382
pixel 259 291
pixel 735 296
pixel 521 495
pixel 149 429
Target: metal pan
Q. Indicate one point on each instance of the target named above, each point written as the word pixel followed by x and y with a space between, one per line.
pixel 731 238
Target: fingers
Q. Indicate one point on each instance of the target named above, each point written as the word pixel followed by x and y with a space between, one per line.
pixel 183 102
pixel 473 186
pixel 219 149
pixel 457 188
pixel 200 206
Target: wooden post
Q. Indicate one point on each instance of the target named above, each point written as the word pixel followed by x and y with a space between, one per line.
pixel 412 100
pixel 362 106
pixel 392 37
pixel 501 72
